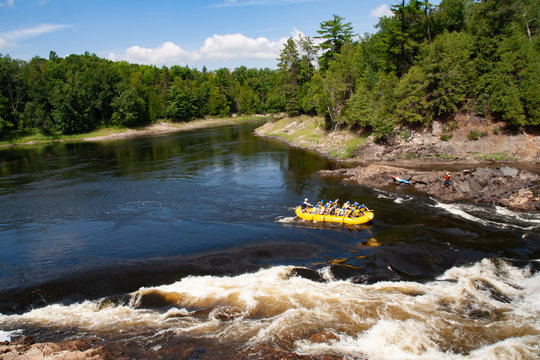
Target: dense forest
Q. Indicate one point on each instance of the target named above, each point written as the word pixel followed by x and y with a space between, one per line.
pixel 423 63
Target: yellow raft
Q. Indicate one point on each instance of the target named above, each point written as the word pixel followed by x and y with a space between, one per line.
pixel 367 217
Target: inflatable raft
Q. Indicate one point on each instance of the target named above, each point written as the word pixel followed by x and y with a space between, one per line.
pixel 366 217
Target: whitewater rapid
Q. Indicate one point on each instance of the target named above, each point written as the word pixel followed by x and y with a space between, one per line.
pixel 490 309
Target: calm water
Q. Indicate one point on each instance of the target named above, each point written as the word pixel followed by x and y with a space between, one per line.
pixel 189 238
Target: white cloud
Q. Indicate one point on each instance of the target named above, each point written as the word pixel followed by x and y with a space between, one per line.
pixel 166 53
pixel 8 3
pixel 240 46
pixel 4 44
pixel 381 11
pixel 217 47
pixel 9 39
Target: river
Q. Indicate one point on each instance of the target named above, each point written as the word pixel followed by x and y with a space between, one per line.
pixel 188 241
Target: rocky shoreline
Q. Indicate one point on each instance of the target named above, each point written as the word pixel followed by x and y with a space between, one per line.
pixel 503 185
pixel 93 348
pixel 498 168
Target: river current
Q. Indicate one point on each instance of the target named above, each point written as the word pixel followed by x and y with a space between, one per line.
pixel 190 238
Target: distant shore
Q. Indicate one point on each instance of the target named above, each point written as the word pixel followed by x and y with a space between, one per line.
pixel 161 127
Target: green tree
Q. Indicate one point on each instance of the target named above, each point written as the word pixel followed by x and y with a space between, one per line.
pixel 512 87
pixel 446 65
pixel 37 109
pixel 248 101
pixel 340 82
pixel 334 33
pixel 129 108
pixel 217 102
pixel 401 35
pixel 289 65
pixel 82 89
pixel 412 107
pixel 451 16
pixel 12 92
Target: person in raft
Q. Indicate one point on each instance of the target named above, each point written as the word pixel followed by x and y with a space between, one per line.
pixel 306 204
pixel 447 179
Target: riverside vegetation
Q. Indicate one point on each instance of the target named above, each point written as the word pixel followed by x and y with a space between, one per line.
pixel 424 64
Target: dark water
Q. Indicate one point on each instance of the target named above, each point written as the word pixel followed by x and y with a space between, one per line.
pixel 213 209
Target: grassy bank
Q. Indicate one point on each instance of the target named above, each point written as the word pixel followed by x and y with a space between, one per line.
pixel 307 132
pixel 412 145
pixel 30 137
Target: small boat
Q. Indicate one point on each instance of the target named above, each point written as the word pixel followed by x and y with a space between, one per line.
pixel 362 219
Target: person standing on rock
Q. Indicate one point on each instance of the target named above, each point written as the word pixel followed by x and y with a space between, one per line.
pixel 447 179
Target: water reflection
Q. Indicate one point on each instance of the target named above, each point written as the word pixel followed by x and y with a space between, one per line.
pixel 71 210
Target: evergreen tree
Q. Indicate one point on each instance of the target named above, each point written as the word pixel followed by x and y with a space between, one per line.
pixel 334 33
pixel 289 64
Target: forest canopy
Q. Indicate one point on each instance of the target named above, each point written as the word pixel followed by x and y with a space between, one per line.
pixel 423 63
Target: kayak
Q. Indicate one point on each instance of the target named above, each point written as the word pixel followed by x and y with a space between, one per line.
pixel 400 180
pixel 366 217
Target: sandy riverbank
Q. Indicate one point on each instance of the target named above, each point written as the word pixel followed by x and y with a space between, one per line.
pixel 167 127
pixel 161 127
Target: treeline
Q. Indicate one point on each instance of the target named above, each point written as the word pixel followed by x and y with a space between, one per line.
pixel 425 62
pixel 80 93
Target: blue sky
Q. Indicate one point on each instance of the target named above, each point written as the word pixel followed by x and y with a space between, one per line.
pixel 214 33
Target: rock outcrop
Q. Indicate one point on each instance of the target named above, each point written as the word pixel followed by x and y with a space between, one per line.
pixel 26 348
pixel 505 186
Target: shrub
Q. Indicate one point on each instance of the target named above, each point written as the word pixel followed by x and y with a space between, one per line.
pixel 446 137
pixel 473 135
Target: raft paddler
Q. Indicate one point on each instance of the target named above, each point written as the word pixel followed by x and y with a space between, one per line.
pixel 345 209
pixel 335 207
pixel 328 208
pixel 305 205
pixel 355 210
pixel 321 208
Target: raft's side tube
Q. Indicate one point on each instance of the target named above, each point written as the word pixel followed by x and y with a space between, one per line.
pixel 367 217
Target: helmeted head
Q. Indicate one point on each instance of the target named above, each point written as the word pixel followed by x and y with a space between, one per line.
pixel 305 199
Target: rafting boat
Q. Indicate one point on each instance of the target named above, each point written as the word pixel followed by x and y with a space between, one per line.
pixel 362 219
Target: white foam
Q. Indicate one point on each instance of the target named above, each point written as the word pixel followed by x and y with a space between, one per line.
pixel 463 211
pixel 286 220
pixel 8 335
pixel 456 210
pixel 532 219
pixel 476 312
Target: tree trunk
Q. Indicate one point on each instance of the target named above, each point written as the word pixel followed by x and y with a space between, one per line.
pixel 427 23
pixel 527 26
pixel 402 70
